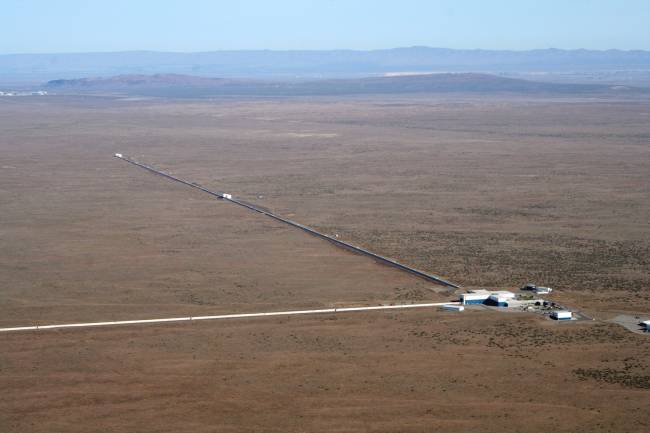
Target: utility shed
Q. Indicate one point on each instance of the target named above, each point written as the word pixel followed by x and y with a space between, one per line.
pixel 561 315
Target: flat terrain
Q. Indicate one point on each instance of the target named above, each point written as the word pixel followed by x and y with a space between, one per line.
pixel 485 191
pixel 417 371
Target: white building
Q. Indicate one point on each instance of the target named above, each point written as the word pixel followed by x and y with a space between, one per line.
pixel 474 297
pixel 561 315
pixel 504 294
pixel 499 298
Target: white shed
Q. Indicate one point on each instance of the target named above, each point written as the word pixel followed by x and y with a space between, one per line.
pixel 561 315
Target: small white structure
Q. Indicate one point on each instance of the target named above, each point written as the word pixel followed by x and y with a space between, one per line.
pixel 118 155
pixel 646 323
pixel 561 315
pixel 228 196
pixel 451 307
pixel 542 290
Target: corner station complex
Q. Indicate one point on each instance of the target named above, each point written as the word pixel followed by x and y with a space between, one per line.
pixel 503 298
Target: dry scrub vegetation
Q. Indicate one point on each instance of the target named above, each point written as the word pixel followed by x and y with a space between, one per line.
pixel 486 191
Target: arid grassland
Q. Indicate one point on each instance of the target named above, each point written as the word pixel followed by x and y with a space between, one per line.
pixel 484 191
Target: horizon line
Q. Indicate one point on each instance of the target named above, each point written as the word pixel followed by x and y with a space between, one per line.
pixel 252 50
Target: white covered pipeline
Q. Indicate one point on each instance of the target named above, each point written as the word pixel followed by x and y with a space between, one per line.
pixel 221 317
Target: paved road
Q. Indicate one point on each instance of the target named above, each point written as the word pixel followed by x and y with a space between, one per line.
pixel 632 322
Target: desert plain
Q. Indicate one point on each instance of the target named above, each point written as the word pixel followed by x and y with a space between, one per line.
pixel 488 191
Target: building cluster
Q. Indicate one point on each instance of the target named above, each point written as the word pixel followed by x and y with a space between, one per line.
pixel 504 298
pixel 16 93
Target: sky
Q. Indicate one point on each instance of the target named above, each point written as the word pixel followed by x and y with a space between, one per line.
pixel 60 26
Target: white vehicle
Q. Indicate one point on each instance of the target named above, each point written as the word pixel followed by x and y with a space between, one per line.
pixel 118 155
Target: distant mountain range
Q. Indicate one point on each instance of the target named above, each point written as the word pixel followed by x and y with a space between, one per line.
pixel 175 85
pixel 317 64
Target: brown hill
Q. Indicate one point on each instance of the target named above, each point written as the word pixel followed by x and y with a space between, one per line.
pixel 138 80
pixel 193 86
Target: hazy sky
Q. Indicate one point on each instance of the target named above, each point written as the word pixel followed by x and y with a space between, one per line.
pixel 165 25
